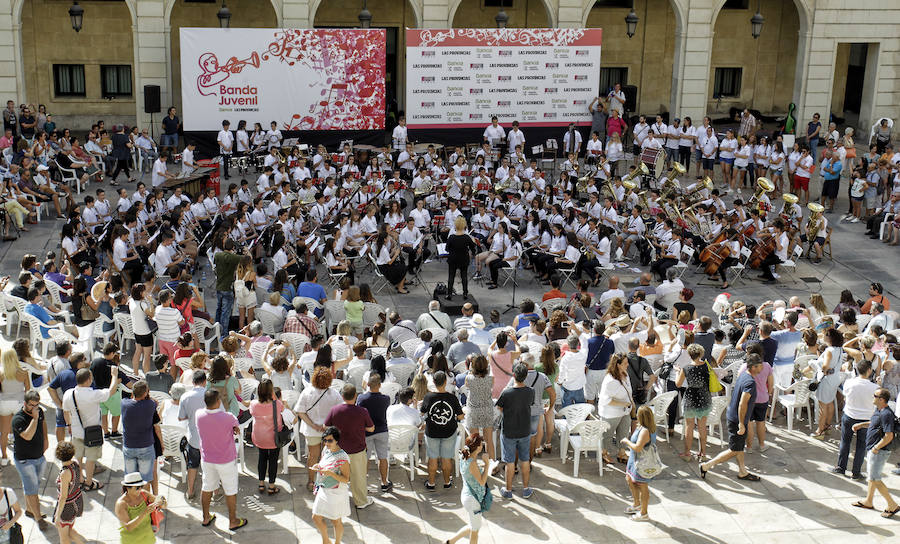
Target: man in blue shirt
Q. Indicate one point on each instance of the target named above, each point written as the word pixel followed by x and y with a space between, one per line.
pixel 35 309
pixel 878 443
pixel 831 170
pixel 740 407
pixel 311 289
pixel 377 404
pixel 64 381
pixel 599 350
pixel 787 340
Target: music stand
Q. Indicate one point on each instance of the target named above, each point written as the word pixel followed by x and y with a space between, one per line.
pixel 512 305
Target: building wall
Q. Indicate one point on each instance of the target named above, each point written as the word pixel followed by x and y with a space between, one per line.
pixel 648 54
pixel 768 62
pixel 106 38
pixel 523 14
pixel 244 14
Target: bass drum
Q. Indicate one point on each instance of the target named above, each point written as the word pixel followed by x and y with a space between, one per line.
pixel 655 159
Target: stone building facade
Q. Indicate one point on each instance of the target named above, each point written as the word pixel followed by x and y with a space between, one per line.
pixel 687 57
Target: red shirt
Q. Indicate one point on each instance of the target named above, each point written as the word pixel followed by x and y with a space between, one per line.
pixel 615 125
pixel 352 421
pixel 553 293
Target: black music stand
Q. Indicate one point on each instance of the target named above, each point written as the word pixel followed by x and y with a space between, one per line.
pixel 512 305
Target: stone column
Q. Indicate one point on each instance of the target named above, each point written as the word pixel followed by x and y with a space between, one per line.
pixel 435 13
pixel 12 67
pixel 151 58
pixel 296 14
pixel 692 66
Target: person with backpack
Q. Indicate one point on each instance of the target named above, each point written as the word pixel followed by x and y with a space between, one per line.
pixel 639 372
pixel 643 436
pixel 220 379
pixel 881 439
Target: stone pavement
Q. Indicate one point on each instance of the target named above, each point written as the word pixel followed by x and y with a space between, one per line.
pixel 798 500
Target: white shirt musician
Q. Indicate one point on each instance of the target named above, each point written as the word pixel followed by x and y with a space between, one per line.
pixel 572 140
pixel 608 215
pixel 244 195
pixel 515 137
pixel 300 173
pixel 410 237
pixel 242 141
pixel 120 253
pixel 226 141
pixel 187 161
pixel 450 217
pixel 211 203
pixel 516 209
pixel 594 146
pixel 258 218
pixel 419 180
pixel 494 133
pixel 273 137
pixel 640 130
pixel 160 172
pixel 103 208
pixel 398 136
pixel 280 259
pixel 420 216
pixel 164 256
pixel 651 143
pixel 594 208
pixel 271 159
pixel 406 159
pixel 482 223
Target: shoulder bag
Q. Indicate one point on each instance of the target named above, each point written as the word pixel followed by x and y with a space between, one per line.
pixel 15 532
pixel 714 384
pixel 156 516
pixel 283 436
pixel 151 323
pixel 87 312
pixel 648 464
pixel 93 434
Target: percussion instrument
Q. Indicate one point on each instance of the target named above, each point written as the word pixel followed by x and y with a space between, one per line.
pixel 655 159
pixel 193 183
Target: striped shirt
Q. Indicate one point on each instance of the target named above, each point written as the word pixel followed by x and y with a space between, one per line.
pixel 167 319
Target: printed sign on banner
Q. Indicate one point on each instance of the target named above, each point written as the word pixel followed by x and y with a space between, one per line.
pixel 322 79
pixel 538 76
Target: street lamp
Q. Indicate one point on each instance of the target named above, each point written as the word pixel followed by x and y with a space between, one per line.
pixel 365 17
pixel 501 19
pixel 756 24
pixel 76 13
pixel 631 21
pixel 224 16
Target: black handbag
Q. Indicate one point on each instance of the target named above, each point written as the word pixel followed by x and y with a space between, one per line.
pixel 283 436
pixel 93 434
pixel 15 532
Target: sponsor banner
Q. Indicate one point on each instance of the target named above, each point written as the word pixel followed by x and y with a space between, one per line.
pixel 462 77
pixel 303 79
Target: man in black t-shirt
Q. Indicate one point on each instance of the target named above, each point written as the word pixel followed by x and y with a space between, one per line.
pixel 30 442
pixel 100 369
pixel 442 413
pixel 169 138
pixel 515 433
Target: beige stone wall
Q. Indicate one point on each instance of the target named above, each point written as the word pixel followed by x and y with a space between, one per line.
pixel 839 87
pixel 244 14
pixel 523 14
pixel 768 62
pixel 48 39
pixel 648 54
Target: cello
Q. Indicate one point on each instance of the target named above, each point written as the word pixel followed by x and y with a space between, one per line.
pixel 718 252
pixel 763 249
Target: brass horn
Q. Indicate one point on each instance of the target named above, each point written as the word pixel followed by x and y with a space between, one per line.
pixel 676 170
pixel 640 170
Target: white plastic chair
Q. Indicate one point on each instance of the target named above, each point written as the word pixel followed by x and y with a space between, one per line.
pixel 36 338
pixel 587 436
pixel 714 419
pixel 681 266
pixel 403 441
pixel 267 320
pixel 660 405
pixel 335 313
pixel 159 396
pixel 207 333
pixel 790 266
pixel 438 335
pixel 570 416
pixel 782 376
pixel 737 271
pixel 14 307
pixel 184 363
pixel 297 341
pixel 99 334
pixel 410 346
pixel 244 365
pixel 248 388
pixel 371 313
pixel 796 401
pixel 257 350
pixel 355 376
pixel 390 389
pixel 311 304
pixel 171 442
pixel 402 373
pixel 125 328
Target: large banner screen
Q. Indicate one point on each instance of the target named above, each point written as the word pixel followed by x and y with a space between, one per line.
pixel 323 79
pixel 461 77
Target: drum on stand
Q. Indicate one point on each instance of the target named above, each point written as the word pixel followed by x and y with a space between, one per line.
pixel 655 159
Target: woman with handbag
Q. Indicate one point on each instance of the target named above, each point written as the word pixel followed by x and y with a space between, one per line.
pixel 266 411
pixel 139 512
pixel 142 309
pixel 476 494
pixel 312 408
pixel 614 405
pixel 697 399
pixel 10 513
pixel 641 460
pixel 829 379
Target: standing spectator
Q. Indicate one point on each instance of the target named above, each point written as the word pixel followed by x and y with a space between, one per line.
pixel 191 403
pixel 858 408
pixel 515 434
pixel 168 140
pixel 697 399
pixel 138 428
pixel 595 356
pixel 64 380
pixel 15 383
pixel 740 407
pixel 170 322
pixel 82 408
pixel 353 422
pixel 70 502
pixel 333 473
pixel 442 412
pixel 101 370
pixel 226 263
pixel 263 409
pixel 882 427
pixel 218 456
pixel 640 373
pixel 134 508
pixel 542 386
pixel 571 372
pixel 829 377
pixel 377 403
pixel 474 486
pixel 614 405
pixel 479 402
pixel 312 408
pixel 765 385
pixel 121 151
pixel 644 434
pixel 813 133
pixel 30 442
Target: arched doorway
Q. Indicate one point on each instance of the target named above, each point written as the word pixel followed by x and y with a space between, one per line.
pixel 244 14
pixel 642 59
pixel 755 73
pixel 394 17
pixel 522 14
pixel 65 73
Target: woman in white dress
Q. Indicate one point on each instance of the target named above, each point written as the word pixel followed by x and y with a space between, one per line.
pixel 332 500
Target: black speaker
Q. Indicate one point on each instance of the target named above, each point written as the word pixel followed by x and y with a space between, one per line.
pixel 151 99
pixel 630 97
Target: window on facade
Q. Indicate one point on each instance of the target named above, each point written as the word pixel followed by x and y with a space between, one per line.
pixel 68 79
pixel 727 82
pixel 611 76
pixel 736 4
pixel 115 80
pixel 498 3
pixel 613 3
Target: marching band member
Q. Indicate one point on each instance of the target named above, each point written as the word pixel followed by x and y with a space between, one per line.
pixel 274 207
pixel 258 216
pixel 570 165
pixel 498 242
pixel 369 224
pixel 335 261
pixel 608 215
pixel 669 257
pixel 516 209
pixel 264 181
pixel 387 260
pixel 516 139
pixel 420 179
pixel 659 131
pixel 319 160
pixel 779 255
pixel 350 167
pixel 450 218
pixel 595 253
pixel 280 259
pixel 494 133
pixel 241 143
pixel 593 208
pixel 672 141
pixel 502 172
pixel 187 159
pixel 244 194
pixel 394 218
pixel 640 131
pixel 103 207
pixel 530 172
pixel 817 225
pixel 482 224
pixel 258 138
pixel 406 161
pixel 437 200
pixel 211 202
pixel 556 248
pixel 510 258
pixel 632 231
pixel 420 216
pixel 594 148
pixel 229 202
pixel 271 158
pixel 398 136
pixel 572 140
pixel 225 140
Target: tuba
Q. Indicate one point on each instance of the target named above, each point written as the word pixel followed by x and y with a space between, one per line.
pixel 812 226
pixel 676 170
pixel 763 185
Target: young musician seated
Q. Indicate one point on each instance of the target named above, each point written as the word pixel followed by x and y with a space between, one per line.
pixel 778 255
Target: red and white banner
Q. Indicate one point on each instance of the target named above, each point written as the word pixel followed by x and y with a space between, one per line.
pixel 538 76
pixel 303 79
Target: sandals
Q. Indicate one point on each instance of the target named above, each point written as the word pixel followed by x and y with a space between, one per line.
pixel 890 513
pixel 212 518
pixel 95 485
pixel 241 523
pixel 702 471
pixel 860 504
pixel 273 490
pixel 750 477
pixel 262 488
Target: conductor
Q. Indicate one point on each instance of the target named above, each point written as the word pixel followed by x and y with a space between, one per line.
pixel 460 247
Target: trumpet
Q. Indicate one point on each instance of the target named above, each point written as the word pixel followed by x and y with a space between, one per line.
pixel 676 170
pixel 280 155
pixel 640 170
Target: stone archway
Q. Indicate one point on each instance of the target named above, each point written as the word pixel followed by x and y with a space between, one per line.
pixel 535 14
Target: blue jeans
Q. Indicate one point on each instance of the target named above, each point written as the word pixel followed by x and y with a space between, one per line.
pixel 509 447
pixel 224 306
pixel 572 397
pixel 140 460
pixel 859 453
pixel 168 140
pixel 30 471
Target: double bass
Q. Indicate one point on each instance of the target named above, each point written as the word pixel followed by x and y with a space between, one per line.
pixel 763 249
pixel 716 253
